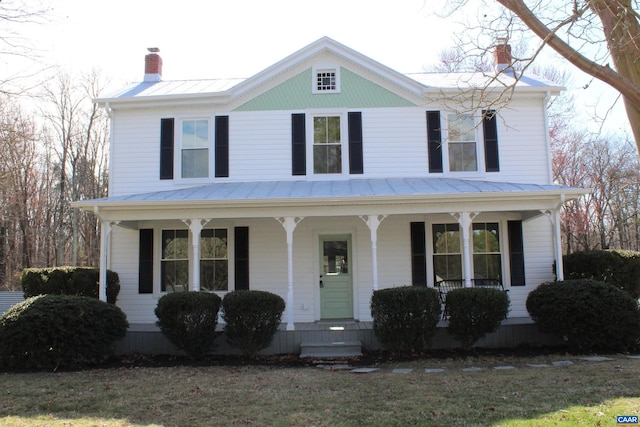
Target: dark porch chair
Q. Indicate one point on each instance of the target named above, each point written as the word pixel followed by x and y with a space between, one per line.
pixel 447 285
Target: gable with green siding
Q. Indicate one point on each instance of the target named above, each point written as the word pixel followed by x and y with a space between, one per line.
pixel 296 94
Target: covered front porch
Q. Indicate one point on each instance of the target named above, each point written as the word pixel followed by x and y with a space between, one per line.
pixel 289 225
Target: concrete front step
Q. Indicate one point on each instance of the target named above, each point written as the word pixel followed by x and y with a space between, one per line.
pixel 331 349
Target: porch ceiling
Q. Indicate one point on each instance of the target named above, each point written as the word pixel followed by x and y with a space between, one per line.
pixel 332 198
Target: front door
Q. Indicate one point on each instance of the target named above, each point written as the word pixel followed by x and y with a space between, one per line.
pixel 336 286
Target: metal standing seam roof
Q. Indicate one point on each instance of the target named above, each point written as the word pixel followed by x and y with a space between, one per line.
pixel 335 189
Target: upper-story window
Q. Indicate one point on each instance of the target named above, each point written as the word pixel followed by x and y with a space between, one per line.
pixel 195 148
pixel 327 145
pixel 463 156
pixel 326 80
pixel 455 142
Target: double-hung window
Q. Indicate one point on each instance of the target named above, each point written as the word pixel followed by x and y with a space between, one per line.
pixel 214 259
pixel 327 145
pixel 174 264
pixel 447 255
pixel 487 261
pixel 195 148
pixel 463 155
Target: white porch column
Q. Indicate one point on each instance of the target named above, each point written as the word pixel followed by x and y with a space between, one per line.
pixel 554 218
pixel 195 227
pixel 373 222
pixel 105 242
pixel 289 223
pixel 465 220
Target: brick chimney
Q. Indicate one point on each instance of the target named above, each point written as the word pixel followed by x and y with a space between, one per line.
pixel 502 54
pixel 152 65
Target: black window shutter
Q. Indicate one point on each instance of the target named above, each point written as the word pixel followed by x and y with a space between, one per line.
pixel 222 147
pixel 241 252
pixel 145 260
pixel 418 255
pixel 434 140
pixel 490 130
pixel 516 253
pixel 355 143
pixel 166 148
pixel 298 145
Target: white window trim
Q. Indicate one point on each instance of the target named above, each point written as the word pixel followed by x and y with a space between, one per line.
pixel 177 155
pixel 504 247
pixel 157 256
pixel 324 68
pixel 480 164
pixel 344 143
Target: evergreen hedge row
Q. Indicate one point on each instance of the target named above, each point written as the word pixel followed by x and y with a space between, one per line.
pixel 589 315
pixel 79 281
pixel 615 267
pixel 52 331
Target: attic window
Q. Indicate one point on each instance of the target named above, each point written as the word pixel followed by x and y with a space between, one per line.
pixel 326 80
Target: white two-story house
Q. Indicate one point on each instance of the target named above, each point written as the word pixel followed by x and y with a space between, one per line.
pixel 325 177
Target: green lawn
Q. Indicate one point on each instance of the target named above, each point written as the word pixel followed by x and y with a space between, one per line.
pixel 585 393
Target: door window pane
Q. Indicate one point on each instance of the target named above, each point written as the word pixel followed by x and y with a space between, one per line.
pixel 335 257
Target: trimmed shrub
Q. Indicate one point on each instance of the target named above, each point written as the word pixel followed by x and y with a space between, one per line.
pixel 405 318
pixel 590 315
pixel 475 312
pixel 51 331
pixel 614 267
pixel 189 320
pixel 79 281
pixel 252 319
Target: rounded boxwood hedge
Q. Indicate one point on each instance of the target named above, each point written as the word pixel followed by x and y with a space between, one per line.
pixel 51 331
pixel 619 268
pixel 590 315
pixel 405 317
pixel 252 318
pixel 189 320
pixel 475 312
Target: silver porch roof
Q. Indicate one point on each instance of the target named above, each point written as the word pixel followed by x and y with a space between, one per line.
pixel 379 188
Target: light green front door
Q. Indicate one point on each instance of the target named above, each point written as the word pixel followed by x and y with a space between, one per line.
pixel 336 285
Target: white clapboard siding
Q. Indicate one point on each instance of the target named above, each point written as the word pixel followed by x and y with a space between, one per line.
pixel 395 144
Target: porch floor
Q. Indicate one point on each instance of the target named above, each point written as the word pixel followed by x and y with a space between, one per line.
pixel 333 325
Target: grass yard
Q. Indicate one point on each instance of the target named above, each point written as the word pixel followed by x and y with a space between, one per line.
pixel 585 393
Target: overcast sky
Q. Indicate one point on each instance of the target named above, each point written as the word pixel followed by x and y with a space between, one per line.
pixel 238 38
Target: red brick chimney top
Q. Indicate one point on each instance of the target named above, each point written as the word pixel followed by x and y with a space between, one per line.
pixel 152 65
pixel 502 54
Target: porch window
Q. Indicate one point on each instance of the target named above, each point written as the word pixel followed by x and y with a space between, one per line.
pixel 174 265
pixel 327 145
pixel 462 143
pixel 487 262
pixel 195 148
pixel 447 256
pixel 214 260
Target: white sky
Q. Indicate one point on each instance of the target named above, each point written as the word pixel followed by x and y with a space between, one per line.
pixel 238 38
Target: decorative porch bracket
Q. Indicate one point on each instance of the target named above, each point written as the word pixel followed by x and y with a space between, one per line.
pixel 105 243
pixel 465 219
pixel 553 215
pixel 195 227
pixel 373 222
pixel 289 223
